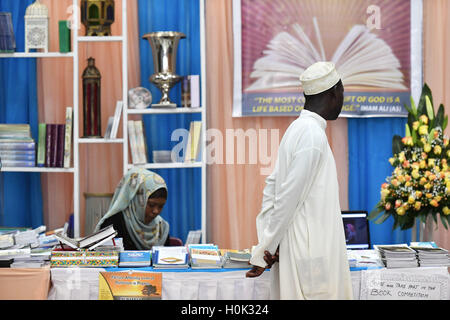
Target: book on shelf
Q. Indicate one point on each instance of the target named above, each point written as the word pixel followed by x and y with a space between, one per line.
pixel 17 147
pixel 40 160
pixel 193 146
pixel 17 144
pixel 190 91
pixel 109 125
pixel 135 258
pixel 133 142
pixel 170 257
pixel 59 163
pixel 89 242
pixel 49 137
pixel 68 137
pixel 64 36
pixel 116 121
pixel 7 38
pixel 15 131
pixel 204 256
pixel 140 141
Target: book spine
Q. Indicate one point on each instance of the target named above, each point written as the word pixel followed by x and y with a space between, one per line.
pixel 132 139
pixel 194 84
pixel 116 122
pixel 17 145
pixel 187 151
pixel 18 163
pixel 64 36
pixel 142 150
pixel 48 144
pixel 18 157
pixel 68 137
pixel 185 92
pixel 60 146
pixel 41 145
pixel 6 153
pixel 54 146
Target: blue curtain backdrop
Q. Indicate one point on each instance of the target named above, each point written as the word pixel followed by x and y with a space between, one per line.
pixel 370 147
pixel 183 207
pixel 18 104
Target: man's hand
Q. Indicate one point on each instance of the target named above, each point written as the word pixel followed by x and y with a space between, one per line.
pixel 255 272
pixel 271 259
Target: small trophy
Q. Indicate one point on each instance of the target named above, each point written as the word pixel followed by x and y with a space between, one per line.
pixel 164 46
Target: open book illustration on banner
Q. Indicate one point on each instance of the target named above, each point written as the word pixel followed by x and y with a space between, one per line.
pixel 362 59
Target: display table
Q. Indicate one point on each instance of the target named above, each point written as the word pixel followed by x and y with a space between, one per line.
pixel 24 284
pixel 231 284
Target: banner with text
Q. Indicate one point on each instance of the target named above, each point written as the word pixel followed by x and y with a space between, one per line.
pixel 370 42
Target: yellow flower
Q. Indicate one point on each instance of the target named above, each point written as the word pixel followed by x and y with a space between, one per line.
pixel 427 147
pixel 401 156
pixel 422 164
pixel 448 153
pixel 415 174
pixel 445 142
pixel 384 194
pixel 437 150
pixel 416 125
pixel 417 205
pixel 423 180
pixel 423 130
pixel 411 199
pixel 408 141
pixel 427 186
pixel 419 194
pixel 391 161
pixel 438 198
pixel 429 195
pixel 401 211
pixel 395 182
pixel 431 162
pixel 446 211
pixel 424 119
pixel 434 203
pixel 432 177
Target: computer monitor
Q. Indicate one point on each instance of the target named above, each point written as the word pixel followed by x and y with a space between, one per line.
pixel 356 227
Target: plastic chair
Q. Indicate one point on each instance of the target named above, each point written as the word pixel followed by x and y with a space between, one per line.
pixel 174 242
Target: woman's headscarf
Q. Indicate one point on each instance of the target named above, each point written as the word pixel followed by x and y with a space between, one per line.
pixel 131 197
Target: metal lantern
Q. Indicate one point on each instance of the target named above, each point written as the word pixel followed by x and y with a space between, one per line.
pixel 97 16
pixel 91 101
pixel 36 27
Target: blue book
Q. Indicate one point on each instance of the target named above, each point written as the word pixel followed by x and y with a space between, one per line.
pixel 7 39
pixel 138 258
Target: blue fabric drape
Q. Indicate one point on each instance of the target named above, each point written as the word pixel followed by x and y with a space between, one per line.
pixel 370 147
pixel 183 206
pixel 18 104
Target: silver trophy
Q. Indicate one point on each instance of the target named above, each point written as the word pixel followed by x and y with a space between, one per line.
pixel 164 46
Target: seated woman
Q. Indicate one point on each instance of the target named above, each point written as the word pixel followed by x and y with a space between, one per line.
pixel 134 210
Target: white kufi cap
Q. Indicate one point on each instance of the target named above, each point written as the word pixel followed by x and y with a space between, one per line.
pixel 319 77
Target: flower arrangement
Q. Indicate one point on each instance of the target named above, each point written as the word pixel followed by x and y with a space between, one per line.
pixel 420 182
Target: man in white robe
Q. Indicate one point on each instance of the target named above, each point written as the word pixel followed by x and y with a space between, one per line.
pixel 300 225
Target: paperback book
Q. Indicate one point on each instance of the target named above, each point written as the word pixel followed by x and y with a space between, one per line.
pixel 170 257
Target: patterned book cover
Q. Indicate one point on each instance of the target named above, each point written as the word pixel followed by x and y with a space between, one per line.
pixel 84 258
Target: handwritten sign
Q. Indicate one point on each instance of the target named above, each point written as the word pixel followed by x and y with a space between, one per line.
pixel 405 284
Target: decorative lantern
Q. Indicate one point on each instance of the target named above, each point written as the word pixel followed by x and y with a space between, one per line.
pixel 36 27
pixel 97 16
pixel 91 101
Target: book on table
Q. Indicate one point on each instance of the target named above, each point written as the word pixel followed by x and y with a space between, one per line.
pixel 397 256
pixel 205 256
pixel 89 242
pixel 135 258
pixel 236 258
pixel 170 257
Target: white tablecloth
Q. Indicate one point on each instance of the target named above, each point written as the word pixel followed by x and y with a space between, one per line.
pixel 82 284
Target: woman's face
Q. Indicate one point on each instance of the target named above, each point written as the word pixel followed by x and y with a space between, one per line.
pixel 153 208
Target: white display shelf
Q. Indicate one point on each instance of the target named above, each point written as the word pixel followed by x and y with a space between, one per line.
pixel 101 39
pixel 170 165
pixel 37 55
pixel 36 169
pixel 165 110
pixel 99 140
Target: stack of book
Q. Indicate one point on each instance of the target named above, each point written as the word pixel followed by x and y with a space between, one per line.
pixel 55 143
pixel 432 257
pixel 17 147
pixel 236 258
pixel 205 256
pixel 364 259
pixel 170 257
pixel 7 39
pixel 397 256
